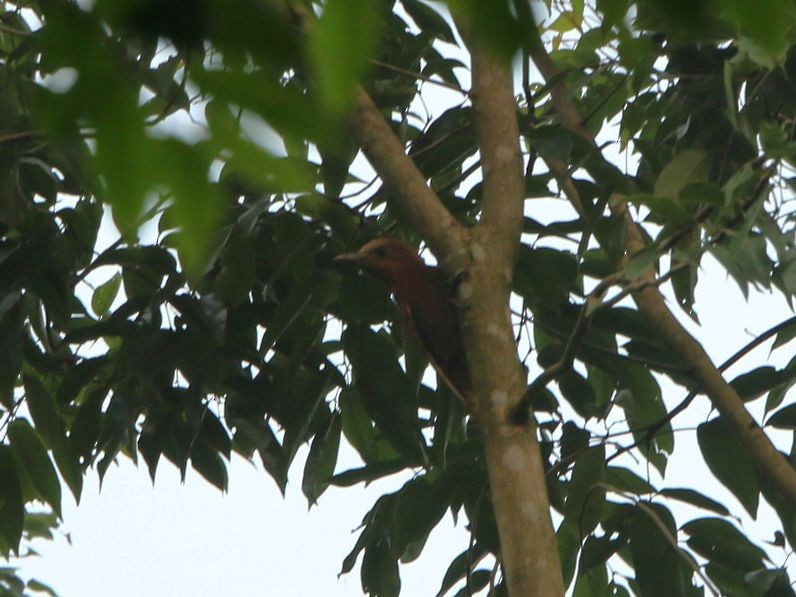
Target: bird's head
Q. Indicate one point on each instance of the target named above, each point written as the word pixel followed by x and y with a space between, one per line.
pixel 388 258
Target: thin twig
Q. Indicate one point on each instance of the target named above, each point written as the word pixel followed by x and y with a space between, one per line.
pixel 672 540
pixel 519 415
pixel 653 429
pixel 419 77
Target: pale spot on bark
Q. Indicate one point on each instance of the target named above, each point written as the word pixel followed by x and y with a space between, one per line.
pixel 514 458
pixel 504 153
pixel 530 511
pixel 478 252
pixel 507 273
pixel 465 291
pixel 499 398
pixel 493 329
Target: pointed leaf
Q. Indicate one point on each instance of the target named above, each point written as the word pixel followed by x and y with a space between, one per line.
pixel 729 462
pixel 12 509
pixel 32 456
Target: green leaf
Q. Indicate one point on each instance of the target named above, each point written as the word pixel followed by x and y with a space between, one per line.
pixel 44 411
pixel 50 428
pixel 341 44
pixel 641 261
pixel 719 541
pixel 368 473
pixel 626 480
pixel 87 424
pixel 579 393
pixel 238 268
pixel 730 463
pixel 690 496
pixel 755 383
pixel 644 407
pixel 585 497
pixel 321 460
pixel 380 571
pixel 12 509
pixel 105 294
pixel 209 463
pixel 32 457
pixel 39 587
pixel 429 20
pixel 458 568
pixel 785 335
pixel 784 418
pixel 421 504
pixel 660 570
pixel 568 543
pixel 686 167
pixel 385 390
pixel 12 328
pixel 196 202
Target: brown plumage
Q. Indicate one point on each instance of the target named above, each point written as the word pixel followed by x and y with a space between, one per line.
pixel 423 299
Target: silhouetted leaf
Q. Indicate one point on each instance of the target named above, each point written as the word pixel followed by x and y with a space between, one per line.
pixel 730 462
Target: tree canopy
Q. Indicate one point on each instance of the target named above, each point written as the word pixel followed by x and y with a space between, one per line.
pixel 177 178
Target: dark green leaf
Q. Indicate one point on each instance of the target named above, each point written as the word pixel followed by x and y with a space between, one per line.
pixel 755 383
pixel 385 390
pixel 695 498
pixel 730 462
pixel 34 462
pixel 585 497
pixel 321 460
pixel 105 294
pixel 429 20
pixel 341 44
pixel 380 571
pixel 12 510
pixel 626 480
pixel 208 463
pixel 420 505
pixel 720 542
pixel 784 418
pixel 458 568
pixel 660 570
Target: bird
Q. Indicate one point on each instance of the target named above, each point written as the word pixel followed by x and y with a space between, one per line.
pixel 422 296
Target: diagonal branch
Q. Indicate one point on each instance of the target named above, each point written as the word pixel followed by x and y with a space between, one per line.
pixel 653 429
pixel 652 305
pixel 409 192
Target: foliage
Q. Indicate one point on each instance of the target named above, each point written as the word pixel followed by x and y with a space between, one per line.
pixel 210 324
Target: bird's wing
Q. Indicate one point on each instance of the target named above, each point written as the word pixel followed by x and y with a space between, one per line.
pixel 436 325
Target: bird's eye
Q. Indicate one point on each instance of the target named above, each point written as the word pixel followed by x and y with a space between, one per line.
pixel 379 252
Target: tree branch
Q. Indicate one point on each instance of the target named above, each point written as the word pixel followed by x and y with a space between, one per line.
pixel 498 135
pixel 421 207
pixel 528 551
pixel 652 305
pixel 653 429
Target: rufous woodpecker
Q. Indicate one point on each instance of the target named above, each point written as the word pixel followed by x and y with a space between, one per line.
pixel 424 301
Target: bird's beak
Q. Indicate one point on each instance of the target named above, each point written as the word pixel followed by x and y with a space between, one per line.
pixel 348 258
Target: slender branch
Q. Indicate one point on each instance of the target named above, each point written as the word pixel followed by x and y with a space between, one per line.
pixel 521 412
pixel 19 135
pixel 415 76
pixel 11 31
pixel 653 429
